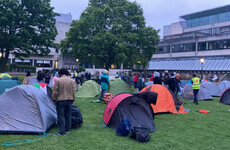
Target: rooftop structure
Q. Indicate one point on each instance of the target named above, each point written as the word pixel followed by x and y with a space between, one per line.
pixel 201 34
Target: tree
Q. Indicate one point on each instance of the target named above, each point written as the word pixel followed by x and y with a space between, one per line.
pixel 111 32
pixel 26 27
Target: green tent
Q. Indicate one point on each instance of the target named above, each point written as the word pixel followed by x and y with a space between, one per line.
pixel 5 75
pixel 118 86
pixel 5 85
pixel 89 89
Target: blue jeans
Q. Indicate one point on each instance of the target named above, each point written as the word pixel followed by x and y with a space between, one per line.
pixel 64 115
pixel 195 92
pixel 102 94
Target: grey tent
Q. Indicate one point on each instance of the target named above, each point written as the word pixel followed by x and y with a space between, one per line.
pixel 223 85
pixel 212 88
pixel 26 109
pixel 148 83
pixel 225 97
pixel 30 80
pixel 203 94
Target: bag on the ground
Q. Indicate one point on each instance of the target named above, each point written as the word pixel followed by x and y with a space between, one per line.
pixel 140 134
pixel 77 119
pixel 123 128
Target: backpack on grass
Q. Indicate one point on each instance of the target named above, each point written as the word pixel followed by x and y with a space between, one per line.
pixel 77 119
pixel 140 134
pixel 123 128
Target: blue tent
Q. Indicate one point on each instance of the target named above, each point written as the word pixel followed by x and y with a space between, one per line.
pixel 186 82
pixel 5 85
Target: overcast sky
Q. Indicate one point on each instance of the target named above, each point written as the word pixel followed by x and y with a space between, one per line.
pixel 158 13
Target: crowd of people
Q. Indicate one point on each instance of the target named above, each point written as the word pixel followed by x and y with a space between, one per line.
pixel 65 88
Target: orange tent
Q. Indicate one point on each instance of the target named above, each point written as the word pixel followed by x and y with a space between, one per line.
pixel 166 100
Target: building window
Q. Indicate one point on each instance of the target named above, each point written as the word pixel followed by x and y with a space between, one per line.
pixel 214 45
pixel 22 62
pixel 43 63
pixel 184 47
pixel 163 49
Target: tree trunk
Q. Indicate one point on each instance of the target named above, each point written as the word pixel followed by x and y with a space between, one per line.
pixel 3 61
pixel 2 64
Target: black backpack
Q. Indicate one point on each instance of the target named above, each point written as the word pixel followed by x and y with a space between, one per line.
pixel 140 134
pixel 77 119
pixel 123 128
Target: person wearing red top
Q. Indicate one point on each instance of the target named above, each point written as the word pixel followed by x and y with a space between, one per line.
pixel 151 79
pixel 135 79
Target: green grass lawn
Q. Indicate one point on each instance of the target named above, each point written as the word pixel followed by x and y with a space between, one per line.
pixel 190 131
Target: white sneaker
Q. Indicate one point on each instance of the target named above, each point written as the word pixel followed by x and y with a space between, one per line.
pixel 98 100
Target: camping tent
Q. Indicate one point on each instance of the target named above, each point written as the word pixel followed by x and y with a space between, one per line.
pixel 136 109
pixel 148 83
pixel 225 97
pixel 184 82
pixel 5 75
pixel 7 84
pixel 223 85
pixel 166 100
pixel 212 88
pixel 118 86
pixel 89 89
pixel 203 93
pixel 26 109
pixel 44 88
pixel 30 80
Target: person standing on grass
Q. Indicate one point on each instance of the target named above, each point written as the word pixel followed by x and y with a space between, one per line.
pixel 135 79
pixel 195 87
pixel 63 97
pixel 40 76
pixel 104 85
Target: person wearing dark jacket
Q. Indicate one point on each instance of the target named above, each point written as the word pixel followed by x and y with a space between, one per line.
pixel 178 82
pixel 140 83
pixel 40 76
pixel 47 77
pixel 172 83
pixel 157 79
pixel 166 78
pixel 28 74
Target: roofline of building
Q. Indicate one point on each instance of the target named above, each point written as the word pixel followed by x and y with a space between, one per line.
pixel 207 12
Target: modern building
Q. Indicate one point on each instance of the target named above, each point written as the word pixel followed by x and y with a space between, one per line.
pixel 204 34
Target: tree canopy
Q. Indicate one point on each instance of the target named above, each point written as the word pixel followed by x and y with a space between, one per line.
pixel 111 32
pixel 26 27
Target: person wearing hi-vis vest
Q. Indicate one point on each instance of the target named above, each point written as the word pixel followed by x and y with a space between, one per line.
pixel 195 87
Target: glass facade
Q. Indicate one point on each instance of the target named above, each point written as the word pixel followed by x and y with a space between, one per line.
pixel 184 47
pixel 217 18
pixel 43 63
pixel 163 49
pixel 214 45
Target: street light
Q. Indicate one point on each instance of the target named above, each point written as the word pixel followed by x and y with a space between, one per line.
pixel 77 60
pixel 0 54
pixel 202 66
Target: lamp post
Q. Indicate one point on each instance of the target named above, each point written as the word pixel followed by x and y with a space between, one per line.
pixel 77 60
pixel 202 67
